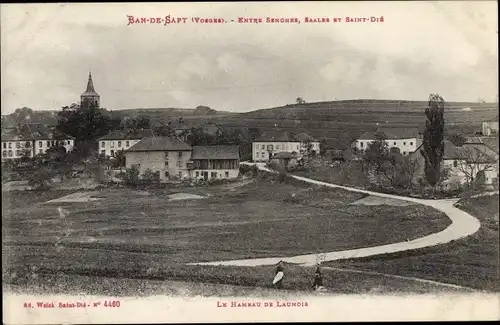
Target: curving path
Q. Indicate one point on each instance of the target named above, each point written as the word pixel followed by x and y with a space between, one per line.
pixel 463 225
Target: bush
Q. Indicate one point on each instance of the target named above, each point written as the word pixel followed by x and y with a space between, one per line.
pixel 40 179
pixel 149 177
pixel 131 176
pixel 250 170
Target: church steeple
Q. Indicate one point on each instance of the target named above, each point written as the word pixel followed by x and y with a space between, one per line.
pixel 90 96
pixel 90 84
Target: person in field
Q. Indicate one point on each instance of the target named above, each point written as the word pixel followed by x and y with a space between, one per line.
pixel 318 279
pixel 278 278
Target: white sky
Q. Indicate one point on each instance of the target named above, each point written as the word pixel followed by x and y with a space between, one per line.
pixel 421 48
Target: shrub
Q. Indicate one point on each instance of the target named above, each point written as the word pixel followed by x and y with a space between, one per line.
pixel 149 177
pixel 40 179
pixel 131 176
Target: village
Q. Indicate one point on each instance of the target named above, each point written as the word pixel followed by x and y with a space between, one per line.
pixel 182 150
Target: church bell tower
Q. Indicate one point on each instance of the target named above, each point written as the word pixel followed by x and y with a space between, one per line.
pixel 90 97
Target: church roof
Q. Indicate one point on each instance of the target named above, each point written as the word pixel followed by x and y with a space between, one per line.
pixel 90 91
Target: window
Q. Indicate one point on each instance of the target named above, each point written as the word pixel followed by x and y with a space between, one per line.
pixel 103 152
pixel 404 143
pixel 361 144
pixel 404 153
pixel 411 143
pixel 40 151
pixel 263 147
pixel 112 152
pixel 10 153
pixel 197 174
pixel 167 175
pixel 27 144
pixel 18 145
pixel 40 143
pixel 270 147
pixel 127 144
pixel 103 144
pixel 262 154
pixel 10 145
pixel 394 142
pixel 455 163
pixel 227 174
pixel 214 175
pixel 48 143
pixel 112 144
pixel 179 164
pixel 119 144
pixel 5 145
pixel 180 174
pixel 17 153
pixel 4 153
pixel 220 175
pixel 180 154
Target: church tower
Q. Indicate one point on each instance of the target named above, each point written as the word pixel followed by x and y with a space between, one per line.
pixel 90 97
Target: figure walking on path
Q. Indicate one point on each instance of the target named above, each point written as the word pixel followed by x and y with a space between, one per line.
pixel 318 279
pixel 278 278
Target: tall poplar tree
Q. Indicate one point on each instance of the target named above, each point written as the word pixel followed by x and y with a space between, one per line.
pixel 433 142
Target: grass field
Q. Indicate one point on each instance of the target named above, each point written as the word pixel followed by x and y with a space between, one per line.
pixel 472 261
pixel 129 231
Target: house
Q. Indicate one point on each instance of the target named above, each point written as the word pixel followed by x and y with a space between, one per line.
pixel 184 129
pixel 171 158
pixel 121 140
pixel 285 160
pixel 308 143
pixel 490 128
pixel 212 162
pixel 32 139
pixel 464 162
pixel 269 143
pixel 406 140
pixel 166 156
pixel 272 142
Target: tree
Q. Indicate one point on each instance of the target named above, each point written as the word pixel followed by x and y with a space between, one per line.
pixel 473 162
pixel 200 138
pixel 300 100
pixel 85 123
pixel 433 144
pixel 119 160
pixel 204 110
pixel 150 177
pixel 22 115
pixel 377 152
pixel 134 124
pixel 457 139
pixel 132 176
pixel 163 130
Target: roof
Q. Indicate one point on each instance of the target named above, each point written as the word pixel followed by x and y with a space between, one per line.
pixel 160 144
pixel 391 133
pixel 276 136
pixel 473 152
pixel 124 135
pixel 215 152
pixel 305 137
pixel 31 131
pixel 90 91
pixel 492 143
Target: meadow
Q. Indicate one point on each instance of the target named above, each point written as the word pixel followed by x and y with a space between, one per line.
pixel 471 261
pixel 141 234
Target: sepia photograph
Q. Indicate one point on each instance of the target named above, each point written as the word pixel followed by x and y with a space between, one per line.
pixel 250 162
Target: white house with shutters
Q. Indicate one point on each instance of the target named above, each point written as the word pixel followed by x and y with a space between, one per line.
pixel 115 141
pixel 404 139
pixel 32 139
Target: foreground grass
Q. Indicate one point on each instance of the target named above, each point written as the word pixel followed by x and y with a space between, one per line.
pixel 261 219
pixel 143 280
pixel 472 261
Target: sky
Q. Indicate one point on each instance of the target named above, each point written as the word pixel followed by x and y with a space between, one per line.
pixel 47 51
